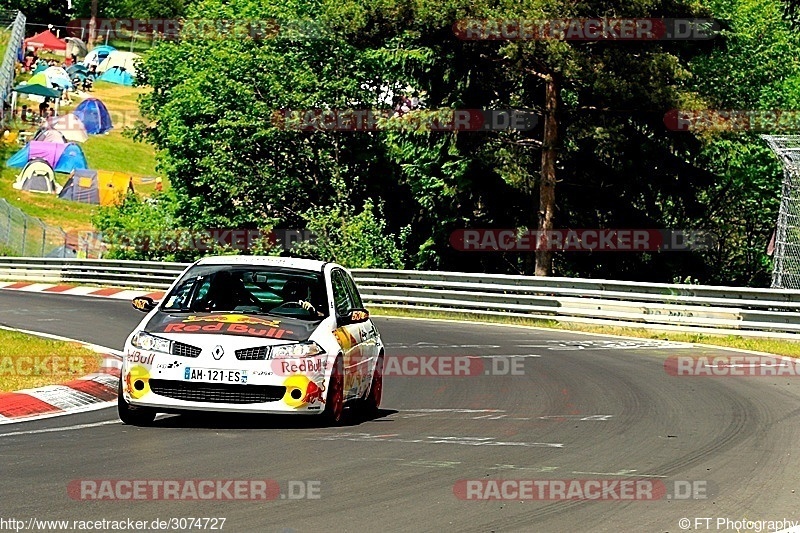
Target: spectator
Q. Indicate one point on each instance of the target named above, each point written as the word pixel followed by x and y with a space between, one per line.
pixel 159 185
pixel 414 100
pixel 43 107
pixel 24 114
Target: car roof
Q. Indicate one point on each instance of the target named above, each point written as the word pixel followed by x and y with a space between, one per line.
pixel 263 260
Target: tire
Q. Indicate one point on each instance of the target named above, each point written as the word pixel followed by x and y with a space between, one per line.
pixel 133 416
pixel 334 400
pixel 372 403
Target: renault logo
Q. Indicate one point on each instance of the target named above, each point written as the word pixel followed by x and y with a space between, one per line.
pixel 218 352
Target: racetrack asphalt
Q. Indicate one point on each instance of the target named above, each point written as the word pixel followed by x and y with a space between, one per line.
pixel 580 407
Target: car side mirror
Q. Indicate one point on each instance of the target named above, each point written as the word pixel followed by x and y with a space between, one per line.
pixel 145 304
pixel 356 316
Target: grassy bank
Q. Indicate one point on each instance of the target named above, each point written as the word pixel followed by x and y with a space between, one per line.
pixel 27 361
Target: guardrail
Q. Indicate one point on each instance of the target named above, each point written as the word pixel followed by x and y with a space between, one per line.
pixel 691 308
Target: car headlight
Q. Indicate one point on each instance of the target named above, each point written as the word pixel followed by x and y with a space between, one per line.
pixel 301 349
pixel 151 343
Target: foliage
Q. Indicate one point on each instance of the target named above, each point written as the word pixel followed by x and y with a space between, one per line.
pixel 215 114
pixel 352 240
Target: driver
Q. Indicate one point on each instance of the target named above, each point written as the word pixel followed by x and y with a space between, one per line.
pixel 299 291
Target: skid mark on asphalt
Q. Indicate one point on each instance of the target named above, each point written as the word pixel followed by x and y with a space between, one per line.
pixel 607 345
pixel 458 440
pixel 496 414
pixel 541 469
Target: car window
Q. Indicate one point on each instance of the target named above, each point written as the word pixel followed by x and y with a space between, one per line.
pixel 354 295
pixel 249 289
pixel 341 295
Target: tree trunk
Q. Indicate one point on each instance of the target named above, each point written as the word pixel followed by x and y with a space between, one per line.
pixel 547 181
pixel 92 26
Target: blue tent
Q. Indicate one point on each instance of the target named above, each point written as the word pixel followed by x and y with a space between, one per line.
pixel 20 159
pixel 67 157
pixel 94 115
pixel 117 75
pixel 71 159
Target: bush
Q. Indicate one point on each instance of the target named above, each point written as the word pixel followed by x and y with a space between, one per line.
pixel 352 240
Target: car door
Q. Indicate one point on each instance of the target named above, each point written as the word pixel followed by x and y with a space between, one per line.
pixel 367 336
pixel 348 335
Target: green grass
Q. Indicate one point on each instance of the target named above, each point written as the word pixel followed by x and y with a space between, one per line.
pixel 27 361
pixel 771 346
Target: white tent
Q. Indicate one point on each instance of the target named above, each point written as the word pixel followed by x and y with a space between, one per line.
pixel 70 126
pixel 37 176
pixel 119 59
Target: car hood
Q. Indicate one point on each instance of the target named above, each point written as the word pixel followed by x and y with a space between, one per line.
pixel 256 326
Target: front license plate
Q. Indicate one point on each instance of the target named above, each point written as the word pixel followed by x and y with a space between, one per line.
pixel 215 375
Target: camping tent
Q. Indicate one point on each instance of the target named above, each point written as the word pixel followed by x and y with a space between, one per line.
pixel 40 67
pixel 70 126
pixel 38 90
pixel 117 75
pixel 71 159
pixel 77 67
pixel 62 157
pixel 96 187
pixel 50 136
pixel 58 76
pixel 75 47
pixel 37 176
pixel 119 59
pixel 94 115
pixel 46 40
pixel 98 54
pixel 40 79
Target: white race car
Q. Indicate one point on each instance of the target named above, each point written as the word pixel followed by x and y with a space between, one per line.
pixel 253 335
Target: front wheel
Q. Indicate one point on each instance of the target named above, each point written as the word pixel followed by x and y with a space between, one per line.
pixel 133 416
pixel 334 403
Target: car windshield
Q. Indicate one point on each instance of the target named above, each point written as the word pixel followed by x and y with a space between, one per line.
pixel 249 289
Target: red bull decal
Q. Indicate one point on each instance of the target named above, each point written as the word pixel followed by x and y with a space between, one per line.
pixel 314 393
pixel 286 367
pixel 302 391
pixel 235 319
pixel 138 357
pixel 231 329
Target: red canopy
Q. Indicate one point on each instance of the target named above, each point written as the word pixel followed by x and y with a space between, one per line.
pixel 46 39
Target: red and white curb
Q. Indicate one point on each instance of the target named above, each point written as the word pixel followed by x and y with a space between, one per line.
pixel 80 290
pixel 89 393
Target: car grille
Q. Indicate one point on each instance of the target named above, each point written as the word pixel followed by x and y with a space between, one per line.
pixel 217 392
pixel 252 354
pixel 185 350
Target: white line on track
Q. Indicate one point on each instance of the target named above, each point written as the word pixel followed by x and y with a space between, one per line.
pixel 56 430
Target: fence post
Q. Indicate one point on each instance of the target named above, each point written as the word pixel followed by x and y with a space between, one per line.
pixel 8 237
pixel 24 233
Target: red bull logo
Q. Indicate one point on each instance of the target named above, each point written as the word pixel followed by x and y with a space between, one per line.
pixel 314 392
pixel 302 391
pixel 234 319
